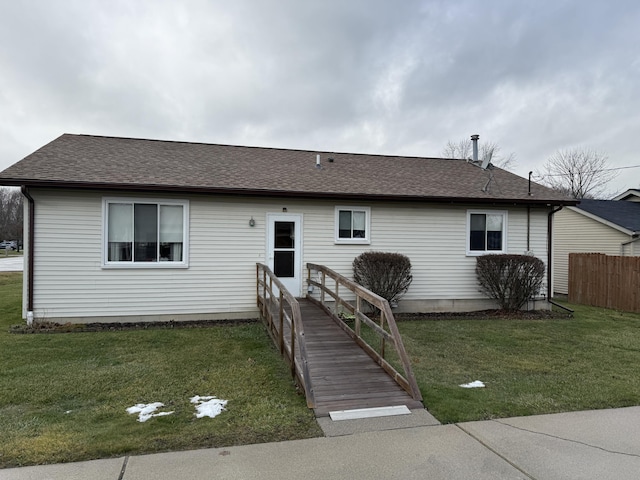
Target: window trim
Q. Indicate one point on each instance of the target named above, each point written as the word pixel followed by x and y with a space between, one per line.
pixel 477 253
pixel 367 225
pixel 106 264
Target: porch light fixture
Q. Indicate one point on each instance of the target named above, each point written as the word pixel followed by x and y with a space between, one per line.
pixel 252 222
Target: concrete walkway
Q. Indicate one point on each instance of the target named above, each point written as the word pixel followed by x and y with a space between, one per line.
pixel 10 264
pixel 603 444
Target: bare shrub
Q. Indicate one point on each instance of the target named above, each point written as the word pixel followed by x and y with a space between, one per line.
pixel 387 274
pixel 510 279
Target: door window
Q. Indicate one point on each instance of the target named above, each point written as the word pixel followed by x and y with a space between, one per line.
pixel 284 249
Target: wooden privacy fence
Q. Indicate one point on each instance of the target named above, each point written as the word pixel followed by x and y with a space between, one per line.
pixel 280 312
pixel 333 289
pixel 605 281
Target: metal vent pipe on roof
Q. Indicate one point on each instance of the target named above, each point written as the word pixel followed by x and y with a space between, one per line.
pixel 318 161
pixel 474 140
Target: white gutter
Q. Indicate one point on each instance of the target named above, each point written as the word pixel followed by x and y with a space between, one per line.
pixel 623 244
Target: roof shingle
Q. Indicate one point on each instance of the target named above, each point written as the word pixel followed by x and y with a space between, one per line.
pixel 110 162
pixel 621 213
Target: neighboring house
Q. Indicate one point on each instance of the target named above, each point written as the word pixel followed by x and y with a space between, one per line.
pixel 631 195
pixel 595 226
pixel 125 229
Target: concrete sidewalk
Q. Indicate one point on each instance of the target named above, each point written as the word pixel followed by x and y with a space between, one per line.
pixel 602 444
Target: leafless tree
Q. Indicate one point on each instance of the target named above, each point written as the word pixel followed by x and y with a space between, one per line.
pixel 578 173
pixel 10 214
pixel 491 150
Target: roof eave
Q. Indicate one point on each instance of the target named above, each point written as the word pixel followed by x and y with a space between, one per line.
pixel 280 193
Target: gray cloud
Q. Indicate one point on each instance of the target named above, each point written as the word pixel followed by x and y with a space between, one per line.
pixel 372 76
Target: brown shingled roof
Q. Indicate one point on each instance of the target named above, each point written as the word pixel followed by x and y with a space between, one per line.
pixel 85 161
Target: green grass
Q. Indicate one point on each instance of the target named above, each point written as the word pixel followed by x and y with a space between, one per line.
pixel 63 397
pixel 529 366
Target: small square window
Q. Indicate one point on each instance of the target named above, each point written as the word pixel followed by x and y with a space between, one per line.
pixel 486 232
pixel 352 225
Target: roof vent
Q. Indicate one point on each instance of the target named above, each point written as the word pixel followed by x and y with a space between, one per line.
pixel 474 141
pixel 318 161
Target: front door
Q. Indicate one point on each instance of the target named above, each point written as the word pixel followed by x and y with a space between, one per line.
pixel 284 250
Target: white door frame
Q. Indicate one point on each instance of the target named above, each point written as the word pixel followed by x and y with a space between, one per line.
pixel 293 284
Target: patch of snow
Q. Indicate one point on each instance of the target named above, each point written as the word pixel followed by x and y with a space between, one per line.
pixel 208 406
pixel 146 411
pixel 476 384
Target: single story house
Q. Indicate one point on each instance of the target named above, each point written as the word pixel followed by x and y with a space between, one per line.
pixel 122 229
pixel 611 227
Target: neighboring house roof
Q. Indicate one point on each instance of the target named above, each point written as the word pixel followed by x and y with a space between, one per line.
pixel 631 194
pixel 624 216
pixel 86 161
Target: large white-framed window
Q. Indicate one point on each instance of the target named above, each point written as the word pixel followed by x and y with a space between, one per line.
pixel 141 233
pixel 353 225
pixel 486 232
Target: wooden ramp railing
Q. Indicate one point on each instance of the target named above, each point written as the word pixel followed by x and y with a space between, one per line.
pixel 280 311
pixel 352 323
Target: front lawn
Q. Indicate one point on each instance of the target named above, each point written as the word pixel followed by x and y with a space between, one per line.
pixel 529 367
pixel 63 397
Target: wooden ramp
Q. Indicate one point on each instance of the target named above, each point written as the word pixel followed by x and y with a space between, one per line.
pixel 343 375
pixel 334 362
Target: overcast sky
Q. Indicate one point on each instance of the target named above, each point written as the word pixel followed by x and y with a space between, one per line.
pixel 364 76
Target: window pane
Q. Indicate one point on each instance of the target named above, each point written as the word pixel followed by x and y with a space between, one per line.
pixel 494 223
pixel 476 241
pixel 477 235
pixel 171 231
pixel 478 221
pixel 344 224
pixel 145 233
pixel 119 252
pixel 284 234
pixel 283 264
pixel 359 223
pixel 120 222
pixel 494 232
pixel 494 240
pixel 171 252
pixel 171 223
pixel 120 232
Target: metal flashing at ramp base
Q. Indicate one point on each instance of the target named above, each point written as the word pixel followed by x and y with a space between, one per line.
pixel 418 418
pixel 369 412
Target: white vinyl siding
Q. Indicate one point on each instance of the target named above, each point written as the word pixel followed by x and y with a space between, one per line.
pixel 223 251
pixel 434 239
pixel 577 233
